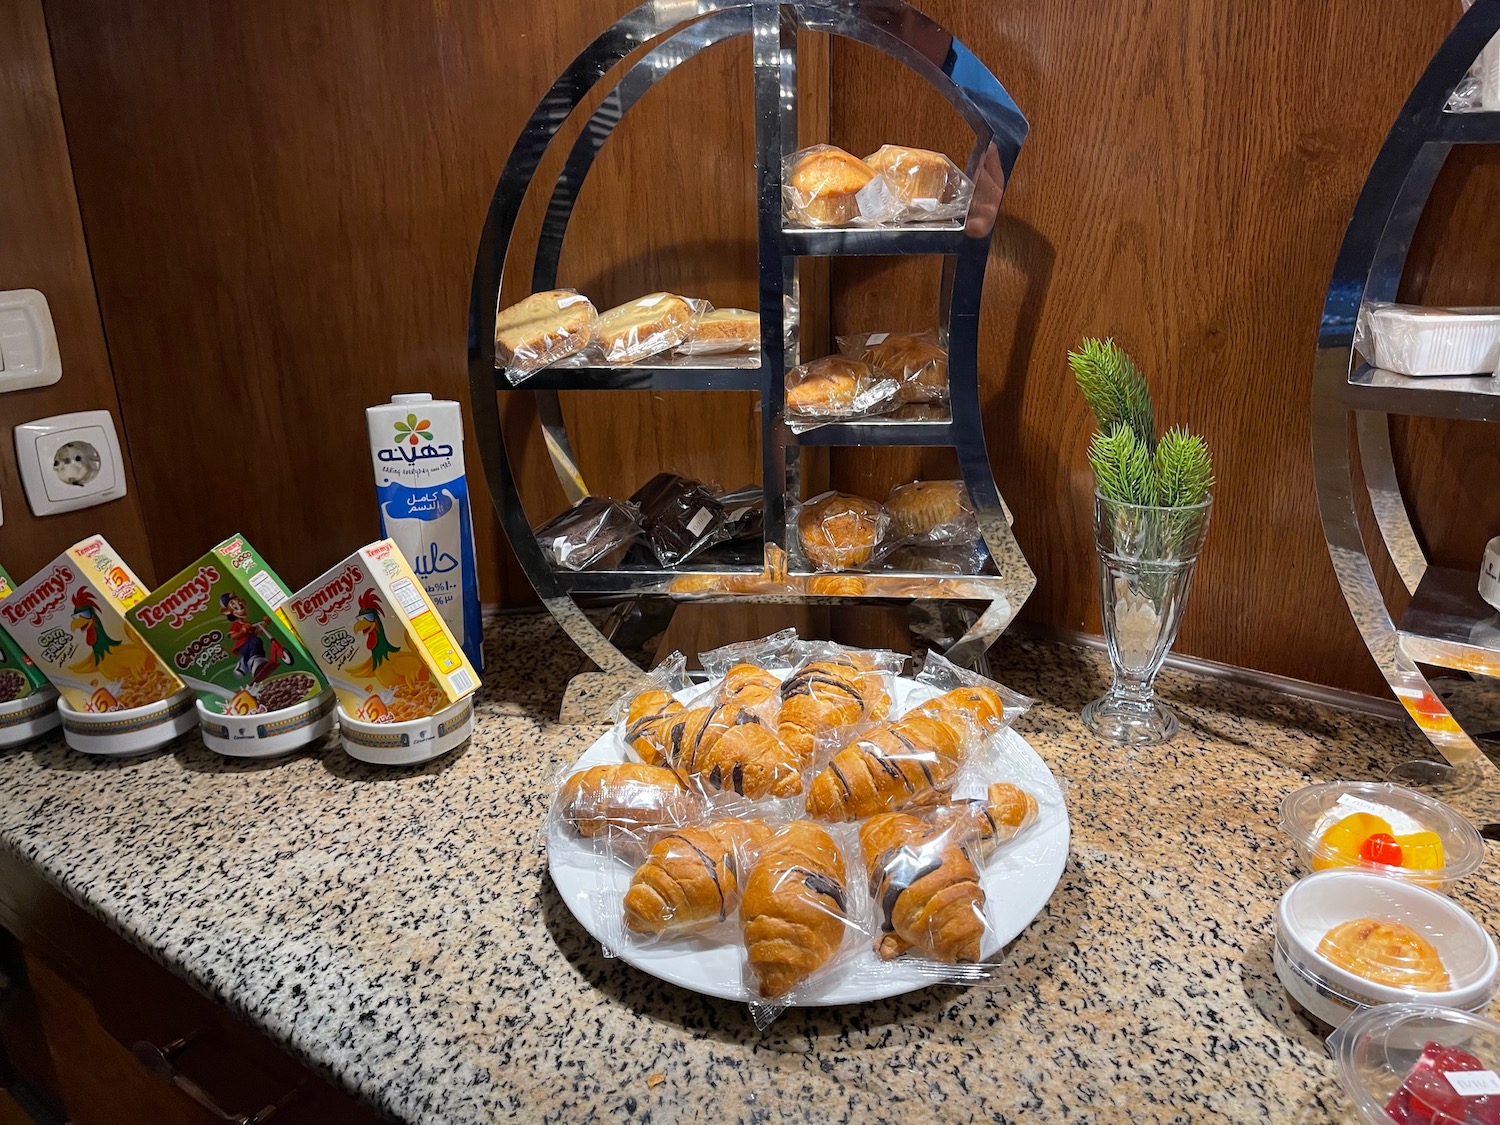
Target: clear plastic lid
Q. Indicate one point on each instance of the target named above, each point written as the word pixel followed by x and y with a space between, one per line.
pixel 1383 828
pixel 1420 1064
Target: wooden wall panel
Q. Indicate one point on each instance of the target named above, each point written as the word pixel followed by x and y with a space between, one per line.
pixel 42 247
pixel 1188 177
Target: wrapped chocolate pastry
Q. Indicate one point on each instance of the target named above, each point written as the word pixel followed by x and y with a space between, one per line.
pixel 596 531
pixel 744 512
pixel 680 517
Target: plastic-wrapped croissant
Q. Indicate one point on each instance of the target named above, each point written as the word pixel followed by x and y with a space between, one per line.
pixel 689 734
pixel 748 685
pixel 893 766
pixel 624 795
pixel 794 908
pixel 691 878
pixel 981 706
pixel 924 875
pixel 645 722
pixel 747 758
pixel 826 694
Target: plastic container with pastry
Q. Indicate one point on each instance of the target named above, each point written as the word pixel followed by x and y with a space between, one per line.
pixel 1348 940
pixel 540 330
pixel 723 331
pixel 929 185
pixel 917 360
pixel 680 517
pixel 932 511
pixel 1419 1064
pixel 838 531
pixel 1383 828
pixel 836 388
pixel 824 186
pixel 645 327
pixel 595 532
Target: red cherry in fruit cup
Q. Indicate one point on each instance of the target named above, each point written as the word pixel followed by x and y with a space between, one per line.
pixel 1381 848
pixel 1428 1098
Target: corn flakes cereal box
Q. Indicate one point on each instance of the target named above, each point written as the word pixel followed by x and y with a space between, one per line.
pixel 380 641
pixel 19 677
pixel 219 627
pixel 70 619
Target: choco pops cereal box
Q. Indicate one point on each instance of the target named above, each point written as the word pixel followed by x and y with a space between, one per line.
pixel 19 677
pixel 217 625
pixel 380 641
pixel 69 618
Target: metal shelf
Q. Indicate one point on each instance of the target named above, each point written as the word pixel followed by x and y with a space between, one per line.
pixel 637 377
pixel 1447 624
pixel 829 242
pixel 1469 127
pixel 876 432
pixel 1447 396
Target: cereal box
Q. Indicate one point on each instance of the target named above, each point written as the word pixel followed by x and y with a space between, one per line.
pixel 69 618
pixel 380 641
pixel 19 677
pixel 218 627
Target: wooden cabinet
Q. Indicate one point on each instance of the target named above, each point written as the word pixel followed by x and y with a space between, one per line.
pixel 103 1007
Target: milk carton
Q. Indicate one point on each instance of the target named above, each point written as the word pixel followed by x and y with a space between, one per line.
pixel 70 619
pixel 380 641
pixel 417 448
pixel 219 625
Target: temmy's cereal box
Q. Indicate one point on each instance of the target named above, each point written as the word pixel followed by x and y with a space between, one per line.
pixel 380 641
pixel 19 677
pixel 216 625
pixel 70 619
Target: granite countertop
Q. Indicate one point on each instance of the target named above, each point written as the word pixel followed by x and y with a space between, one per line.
pixel 397 928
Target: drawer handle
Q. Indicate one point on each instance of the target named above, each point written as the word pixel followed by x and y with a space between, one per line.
pixel 161 1062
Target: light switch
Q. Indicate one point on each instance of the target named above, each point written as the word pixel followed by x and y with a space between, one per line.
pixel 28 342
pixel 70 461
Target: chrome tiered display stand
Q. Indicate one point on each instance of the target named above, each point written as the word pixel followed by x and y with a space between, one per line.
pixel 663 35
pixel 1446 624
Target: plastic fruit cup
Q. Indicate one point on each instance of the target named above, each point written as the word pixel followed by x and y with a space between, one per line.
pixel 407 743
pixel 1400 1062
pixel 1308 812
pixel 135 730
pixel 28 717
pixel 270 733
pixel 1318 903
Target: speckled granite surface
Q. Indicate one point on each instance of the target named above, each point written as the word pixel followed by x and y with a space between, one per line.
pixel 397 928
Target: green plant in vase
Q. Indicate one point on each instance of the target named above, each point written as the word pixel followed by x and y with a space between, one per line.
pixel 1152 501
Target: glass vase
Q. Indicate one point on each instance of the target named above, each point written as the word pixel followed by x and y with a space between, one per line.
pixel 1146 560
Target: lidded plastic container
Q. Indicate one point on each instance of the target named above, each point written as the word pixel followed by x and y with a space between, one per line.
pixel 1349 940
pixel 1420 1064
pixel 1409 821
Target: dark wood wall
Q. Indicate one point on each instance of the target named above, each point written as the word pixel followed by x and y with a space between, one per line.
pixel 281 202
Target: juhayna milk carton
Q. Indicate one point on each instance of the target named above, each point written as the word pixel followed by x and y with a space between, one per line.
pixel 417 448
pixel 19 677
pixel 70 619
pixel 384 648
pixel 218 624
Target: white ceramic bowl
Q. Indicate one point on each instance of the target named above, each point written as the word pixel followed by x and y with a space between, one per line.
pixel 26 718
pixel 269 734
pixel 408 743
pixel 135 730
pixel 1316 904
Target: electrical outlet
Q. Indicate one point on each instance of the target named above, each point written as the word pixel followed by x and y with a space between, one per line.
pixel 70 461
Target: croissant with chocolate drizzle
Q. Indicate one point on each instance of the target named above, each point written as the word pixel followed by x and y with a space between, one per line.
pixel 893 766
pixel 924 875
pixel 748 759
pixel 691 878
pixel 645 722
pixel 827 694
pixel 794 908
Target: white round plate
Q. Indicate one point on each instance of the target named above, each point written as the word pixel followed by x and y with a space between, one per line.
pixel 1017 880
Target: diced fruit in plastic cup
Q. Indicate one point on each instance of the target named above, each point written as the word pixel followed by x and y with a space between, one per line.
pixel 1420 1064
pixel 1380 827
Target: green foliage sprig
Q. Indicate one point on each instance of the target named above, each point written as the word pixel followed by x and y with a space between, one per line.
pixel 1130 465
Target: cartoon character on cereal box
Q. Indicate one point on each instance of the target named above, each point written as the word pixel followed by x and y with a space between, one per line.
pixel 101 658
pixel 388 664
pixel 247 640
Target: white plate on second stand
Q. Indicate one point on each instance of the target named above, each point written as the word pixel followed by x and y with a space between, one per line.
pixel 1017 880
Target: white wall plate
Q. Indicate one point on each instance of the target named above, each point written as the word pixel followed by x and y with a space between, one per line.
pixel 70 461
pixel 28 342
